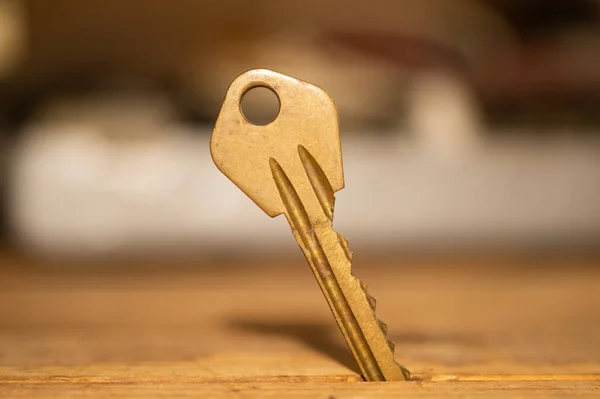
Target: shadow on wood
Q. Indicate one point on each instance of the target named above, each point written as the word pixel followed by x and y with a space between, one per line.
pixel 317 336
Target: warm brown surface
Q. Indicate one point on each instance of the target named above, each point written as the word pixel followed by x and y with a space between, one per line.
pixel 267 332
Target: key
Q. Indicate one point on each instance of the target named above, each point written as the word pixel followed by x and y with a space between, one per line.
pixel 293 166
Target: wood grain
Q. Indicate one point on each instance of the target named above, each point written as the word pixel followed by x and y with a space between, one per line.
pixel 248 331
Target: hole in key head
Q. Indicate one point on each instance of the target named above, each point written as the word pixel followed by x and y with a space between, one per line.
pixel 260 105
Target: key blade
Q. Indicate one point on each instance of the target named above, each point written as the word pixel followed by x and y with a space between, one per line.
pixel 330 259
pixel 307 117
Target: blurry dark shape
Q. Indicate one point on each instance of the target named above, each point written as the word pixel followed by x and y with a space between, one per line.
pixel 561 74
pixel 200 46
pixel 413 52
pixel 538 20
pixel 512 53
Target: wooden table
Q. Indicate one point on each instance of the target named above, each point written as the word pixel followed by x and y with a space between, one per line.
pixel 250 330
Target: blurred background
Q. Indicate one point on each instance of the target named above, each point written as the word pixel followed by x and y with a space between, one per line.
pixel 468 126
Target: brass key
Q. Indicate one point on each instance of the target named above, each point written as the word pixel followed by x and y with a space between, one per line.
pixel 294 166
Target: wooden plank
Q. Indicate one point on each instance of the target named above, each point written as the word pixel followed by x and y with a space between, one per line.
pixel 267 332
pixel 304 389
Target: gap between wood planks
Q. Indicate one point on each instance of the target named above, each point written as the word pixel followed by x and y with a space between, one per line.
pixel 60 379
pixel 507 377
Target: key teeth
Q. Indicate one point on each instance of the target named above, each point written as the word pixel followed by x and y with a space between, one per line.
pixel 372 302
pixel 405 371
pixel 363 286
pixel 392 345
pixel 344 243
pixel 383 326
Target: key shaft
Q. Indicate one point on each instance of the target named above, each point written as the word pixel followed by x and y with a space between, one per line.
pixel 330 259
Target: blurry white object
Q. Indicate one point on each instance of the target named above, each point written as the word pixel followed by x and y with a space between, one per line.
pixel 133 114
pixel 104 174
pixel 75 191
pixel 443 113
